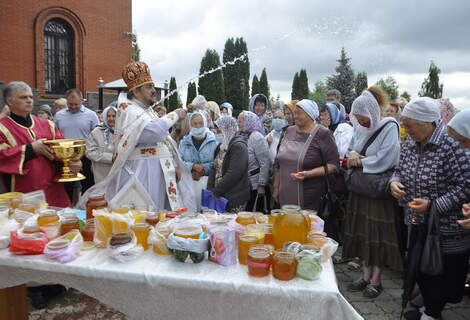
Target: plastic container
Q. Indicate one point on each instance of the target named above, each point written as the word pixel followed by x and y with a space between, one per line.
pixel 259 261
pixel 245 242
pixel 141 231
pixel 96 201
pixel 290 225
pixel 284 265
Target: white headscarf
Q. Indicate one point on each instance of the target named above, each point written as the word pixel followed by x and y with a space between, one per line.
pixel 310 108
pixel 366 105
pixel 423 109
pixel 108 130
pixel 461 123
pixel 199 103
pixel 228 127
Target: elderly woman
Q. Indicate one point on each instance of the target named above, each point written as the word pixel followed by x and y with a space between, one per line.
pixel 100 145
pixel 259 105
pixel 45 112
pixel 273 138
pixel 333 119
pixel 447 110
pixel 289 111
pixel 226 109
pixel 259 164
pixel 303 152
pixel 434 172
pixel 370 227
pixel 229 174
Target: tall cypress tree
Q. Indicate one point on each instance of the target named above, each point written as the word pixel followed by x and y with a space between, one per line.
pixel 263 84
pixel 360 83
pixel 211 86
pixel 192 92
pixel 254 85
pixel 237 75
pixel 343 80
pixel 295 87
pixel 431 86
pixel 303 90
pixel 173 100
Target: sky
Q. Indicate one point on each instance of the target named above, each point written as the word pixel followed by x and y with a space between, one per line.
pixel 397 38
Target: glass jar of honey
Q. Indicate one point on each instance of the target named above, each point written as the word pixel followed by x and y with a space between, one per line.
pixel 140 214
pixel 142 231
pixel 96 201
pixel 259 261
pixel 104 230
pixel 245 218
pixel 159 244
pixel 268 233
pixel 46 216
pixel 260 217
pixel 88 232
pixel 68 224
pixel 27 207
pixel 152 219
pixel 245 242
pixel 273 215
pixel 290 225
pixel 188 231
pixel 284 265
pixel 256 230
pixel 119 223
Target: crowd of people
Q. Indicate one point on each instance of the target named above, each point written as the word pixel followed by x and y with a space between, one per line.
pixel 417 153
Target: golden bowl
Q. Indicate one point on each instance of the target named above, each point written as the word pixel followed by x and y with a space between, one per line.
pixel 66 150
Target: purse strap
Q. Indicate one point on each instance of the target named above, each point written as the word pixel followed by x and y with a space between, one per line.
pixel 327 175
pixel 374 136
pixel 300 160
pixel 433 222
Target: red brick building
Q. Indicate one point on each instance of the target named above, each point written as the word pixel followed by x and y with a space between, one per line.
pixel 54 45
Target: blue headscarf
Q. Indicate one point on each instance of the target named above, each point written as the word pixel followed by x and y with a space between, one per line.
pixel 310 108
pixel 336 117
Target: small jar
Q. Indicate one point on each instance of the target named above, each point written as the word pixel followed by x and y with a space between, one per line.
pixel 268 233
pixel 260 217
pixel 159 245
pixel 141 231
pixel 188 231
pixel 95 201
pixel 245 242
pixel 245 218
pixel 152 219
pixel 284 265
pixel 259 261
pixel 68 224
pixel 46 217
pixel 88 232
pixel 120 239
pixel 256 230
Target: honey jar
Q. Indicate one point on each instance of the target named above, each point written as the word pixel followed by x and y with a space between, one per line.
pixel 245 242
pixel 141 231
pixel 284 265
pixel 259 261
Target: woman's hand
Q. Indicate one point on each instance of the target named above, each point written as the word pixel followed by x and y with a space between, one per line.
pixel 302 175
pixel 466 212
pixel 276 194
pixel 419 205
pixel 75 166
pixel 269 139
pixel 397 190
pixel 261 190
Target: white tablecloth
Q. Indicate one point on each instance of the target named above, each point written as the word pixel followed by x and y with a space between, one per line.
pixel 159 287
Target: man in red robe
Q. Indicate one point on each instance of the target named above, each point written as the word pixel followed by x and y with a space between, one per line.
pixel 26 163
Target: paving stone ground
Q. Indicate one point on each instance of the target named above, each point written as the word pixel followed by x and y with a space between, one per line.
pixel 75 305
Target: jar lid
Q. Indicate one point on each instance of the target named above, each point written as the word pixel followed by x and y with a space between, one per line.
pixel 141 226
pixel 259 252
pixel 245 214
pixel 248 238
pixel 58 244
pixel 47 213
pixel 69 219
pixel 275 212
pixel 121 238
pixel 290 207
pixel 31 228
pixel 187 230
pixel 96 196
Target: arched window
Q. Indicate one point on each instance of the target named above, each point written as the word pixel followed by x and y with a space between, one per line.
pixel 59 56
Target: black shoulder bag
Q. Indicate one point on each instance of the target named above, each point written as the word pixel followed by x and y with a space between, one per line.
pixel 371 185
pixel 432 262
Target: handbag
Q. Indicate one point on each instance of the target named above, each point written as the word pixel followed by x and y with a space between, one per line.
pixel 432 262
pixel 265 207
pixel 371 185
pixel 329 209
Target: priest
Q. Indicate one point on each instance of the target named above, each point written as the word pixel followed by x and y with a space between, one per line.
pixel 26 163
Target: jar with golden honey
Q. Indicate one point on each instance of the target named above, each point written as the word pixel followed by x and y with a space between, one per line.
pixel 245 242
pixel 188 231
pixel 268 233
pixel 290 225
pixel 273 215
pixel 159 244
pixel 119 222
pixel 260 217
pixel 46 216
pixel 96 201
pixel 142 231
pixel 284 265
pixel 152 219
pixel 104 230
pixel 245 218
pixel 88 232
pixel 140 214
pixel 68 224
pixel 259 261
pixel 256 230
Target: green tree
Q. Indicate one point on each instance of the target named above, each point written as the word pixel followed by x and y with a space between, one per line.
pixel 135 47
pixel 390 86
pixel 211 85
pixel 319 94
pixel 343 80
pixel 236 75
pixel 360 83
pixel 173 100
pixel 263 84
pixel 431 86
pixel 303 85
pixel 295 87
pixel 192 92
pixel 254 85
pixel 406 95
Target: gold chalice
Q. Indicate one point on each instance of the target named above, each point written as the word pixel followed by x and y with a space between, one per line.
pixel 66 150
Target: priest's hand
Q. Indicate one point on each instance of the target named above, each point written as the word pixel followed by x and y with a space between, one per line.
pixel 181 113
pixel 199 169
pixel 196 176
pixel 75 166
pixel 40 149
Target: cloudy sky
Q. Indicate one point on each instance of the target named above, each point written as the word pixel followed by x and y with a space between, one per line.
pixel 397 38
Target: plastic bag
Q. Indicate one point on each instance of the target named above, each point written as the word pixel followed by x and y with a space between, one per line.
pixel 36 198
pixel 182 248
pixel 21 216
pixel 158 241
pixel 127 252
pixel 26 244
pixel 328 249
pixel 207 200
pixel 316 224
pixel 65 248
pixel 223 246
pixel 107 223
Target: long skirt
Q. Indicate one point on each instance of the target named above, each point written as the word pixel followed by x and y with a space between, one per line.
pixel 370 232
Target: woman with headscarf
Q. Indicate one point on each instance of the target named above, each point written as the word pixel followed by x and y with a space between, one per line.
pixel 332 118
pixel 100 145
pixel 303 152
pixel 434 173
pixel 370 228
pixel 447 110
pixel 226 109
pixel 258 159
pixel 289 111
pixel 259 105
pixel 229 174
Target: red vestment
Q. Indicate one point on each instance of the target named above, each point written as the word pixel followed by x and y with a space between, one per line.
pixel 37 173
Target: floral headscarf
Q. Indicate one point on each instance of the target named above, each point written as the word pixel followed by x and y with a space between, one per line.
pixel 251 123
pixel 447 110
pixel 336 117
pixel 228 127
pixel 108 130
